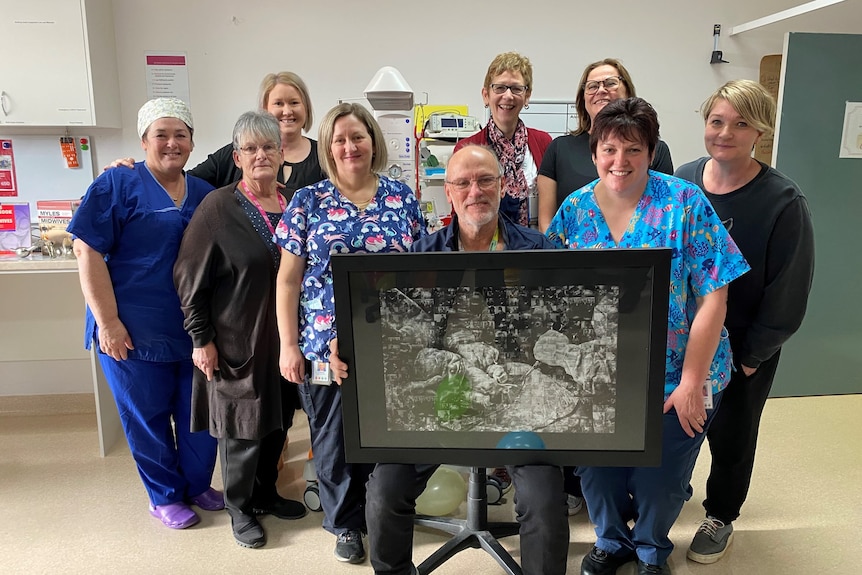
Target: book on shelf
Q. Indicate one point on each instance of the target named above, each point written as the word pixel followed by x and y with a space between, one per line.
pixel 14 226
pixel 54 217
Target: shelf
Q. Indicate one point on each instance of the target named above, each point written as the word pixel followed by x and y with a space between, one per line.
pixel 449 137
pixel 37 264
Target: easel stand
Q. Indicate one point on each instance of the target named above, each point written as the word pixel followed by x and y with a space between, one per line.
pixel 474 532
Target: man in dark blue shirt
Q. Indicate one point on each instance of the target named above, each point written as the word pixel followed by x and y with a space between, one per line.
pixel 477 224
pixel 474 188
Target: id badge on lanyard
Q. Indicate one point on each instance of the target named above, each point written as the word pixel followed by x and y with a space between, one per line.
pixel 320 373
pixel 707 394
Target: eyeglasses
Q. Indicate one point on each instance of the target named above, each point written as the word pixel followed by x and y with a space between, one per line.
pixel 485 183
pixel 516 89
pixel 253 149
pixel 610 83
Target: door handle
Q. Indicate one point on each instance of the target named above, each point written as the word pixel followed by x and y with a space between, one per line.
pixel 3 98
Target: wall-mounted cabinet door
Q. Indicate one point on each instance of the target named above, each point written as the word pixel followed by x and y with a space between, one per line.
pixel 44 75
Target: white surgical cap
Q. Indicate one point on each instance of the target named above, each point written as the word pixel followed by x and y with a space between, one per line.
pixel 163 108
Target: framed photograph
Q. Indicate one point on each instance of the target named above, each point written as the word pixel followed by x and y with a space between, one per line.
pixel 504 358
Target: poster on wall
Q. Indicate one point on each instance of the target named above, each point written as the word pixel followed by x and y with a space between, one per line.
pixel 167 76
pixel 851 136
pixel 8 185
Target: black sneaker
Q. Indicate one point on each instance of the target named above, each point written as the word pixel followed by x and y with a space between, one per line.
pixel 247 531
pixel 600 562
pixel 280 507
pixel 349 547
pixel 648 569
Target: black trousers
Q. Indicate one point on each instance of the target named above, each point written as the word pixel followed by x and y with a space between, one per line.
pixel 732 440
pixel 540 505
pixel 571 482
pixel 249 469
pixel 341 484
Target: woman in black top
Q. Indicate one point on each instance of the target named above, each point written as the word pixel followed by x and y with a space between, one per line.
pixel 568 163
pixel 767 216
pixel 285 96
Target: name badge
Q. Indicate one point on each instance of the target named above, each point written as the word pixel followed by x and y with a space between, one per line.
pixel 707 394
pixel 320 373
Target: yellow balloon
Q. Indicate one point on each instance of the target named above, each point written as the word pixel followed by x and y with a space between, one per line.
pixel 443 494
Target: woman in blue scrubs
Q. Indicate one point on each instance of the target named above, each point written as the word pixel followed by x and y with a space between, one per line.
pixel 632 207
pixel 127 234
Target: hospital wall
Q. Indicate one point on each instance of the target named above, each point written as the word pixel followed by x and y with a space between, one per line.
pixel 442 49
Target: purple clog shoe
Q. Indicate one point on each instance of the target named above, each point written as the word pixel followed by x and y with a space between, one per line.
pixel 175 515
pixel 209 500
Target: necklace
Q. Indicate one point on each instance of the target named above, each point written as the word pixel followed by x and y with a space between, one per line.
pixel 364 204
pixel 176 199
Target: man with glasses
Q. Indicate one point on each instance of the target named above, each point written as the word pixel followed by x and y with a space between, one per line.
pixel 473 187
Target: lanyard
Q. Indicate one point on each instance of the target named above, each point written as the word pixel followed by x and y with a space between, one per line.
pixel 494 241
pixel 256 204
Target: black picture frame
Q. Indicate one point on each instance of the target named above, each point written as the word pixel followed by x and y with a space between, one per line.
pixel 409 398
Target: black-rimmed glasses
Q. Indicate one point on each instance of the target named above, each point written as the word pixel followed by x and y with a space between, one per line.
pixel 516 89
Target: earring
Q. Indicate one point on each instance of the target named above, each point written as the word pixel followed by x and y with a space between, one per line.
pixel 487 106
pixel 526 106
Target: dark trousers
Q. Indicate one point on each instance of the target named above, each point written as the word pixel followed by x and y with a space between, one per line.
pixel 732 440
pixel 249 469
pixel 572 483
pixel 341 484
pixel 540 505
pixel 652 496
pixel 174 463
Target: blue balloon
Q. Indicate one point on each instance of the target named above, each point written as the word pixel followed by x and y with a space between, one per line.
pixel 521 440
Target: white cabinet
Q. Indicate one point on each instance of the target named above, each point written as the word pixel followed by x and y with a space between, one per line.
pixel 59 66
pixel 41 338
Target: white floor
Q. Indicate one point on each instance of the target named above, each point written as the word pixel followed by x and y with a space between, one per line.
pixel 63 509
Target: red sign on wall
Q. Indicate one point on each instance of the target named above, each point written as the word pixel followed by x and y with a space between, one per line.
pixel 8 185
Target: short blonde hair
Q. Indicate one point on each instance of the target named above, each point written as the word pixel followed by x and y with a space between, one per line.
pixel 750 100
pixel 510 62
pixel 269 82
pixel 327 129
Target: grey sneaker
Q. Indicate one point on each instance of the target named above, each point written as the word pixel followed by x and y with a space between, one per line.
pixel 711 541
pixel 575 504
pixel 349 547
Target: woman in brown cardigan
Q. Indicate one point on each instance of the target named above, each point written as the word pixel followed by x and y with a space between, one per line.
pixel 225 276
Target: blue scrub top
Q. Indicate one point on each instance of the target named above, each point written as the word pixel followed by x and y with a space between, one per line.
pixel 319 222
pixel 671 213
pixel 130 218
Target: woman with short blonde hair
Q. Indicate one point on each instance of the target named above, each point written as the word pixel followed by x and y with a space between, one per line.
pixel 506 91
pixel 767 215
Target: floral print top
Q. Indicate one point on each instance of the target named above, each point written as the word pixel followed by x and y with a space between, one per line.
pixel 320 221
pixel 675 214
